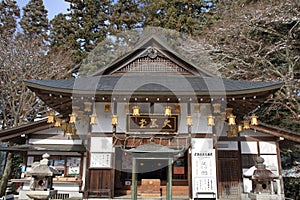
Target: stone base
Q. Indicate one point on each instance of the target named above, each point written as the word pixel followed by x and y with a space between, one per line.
pixel 40 195
pixel 264 196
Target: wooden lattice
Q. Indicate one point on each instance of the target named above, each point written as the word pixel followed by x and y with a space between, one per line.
pixel 158 64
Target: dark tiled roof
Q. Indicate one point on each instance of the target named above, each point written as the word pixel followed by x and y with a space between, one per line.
pixel 152 83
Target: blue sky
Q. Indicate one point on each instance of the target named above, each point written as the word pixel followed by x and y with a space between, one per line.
pixel 53 6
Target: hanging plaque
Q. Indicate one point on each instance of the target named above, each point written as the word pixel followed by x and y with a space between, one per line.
pixel 152 123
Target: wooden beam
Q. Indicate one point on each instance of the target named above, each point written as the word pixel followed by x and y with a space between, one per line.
pixel 278 132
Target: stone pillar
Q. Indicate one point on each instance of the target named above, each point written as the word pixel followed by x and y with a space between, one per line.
pixel 169 183
pixel 134 180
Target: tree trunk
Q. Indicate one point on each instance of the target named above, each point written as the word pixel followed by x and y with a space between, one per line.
pixel 6 174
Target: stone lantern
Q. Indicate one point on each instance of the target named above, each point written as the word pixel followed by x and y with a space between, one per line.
pixel 262 182
pixel 41 179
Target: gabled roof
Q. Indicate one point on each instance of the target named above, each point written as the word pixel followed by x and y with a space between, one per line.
pixel 157 44
pixel 152 84
pixel 242 96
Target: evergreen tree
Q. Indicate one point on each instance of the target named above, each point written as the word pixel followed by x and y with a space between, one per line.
pixel 34 21
pixel 126 15
pixel 9 13
pixel 188 16
pixel 81 28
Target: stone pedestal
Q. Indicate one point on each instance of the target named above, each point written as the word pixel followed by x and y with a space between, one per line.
pixel 264 196
pixel 41 194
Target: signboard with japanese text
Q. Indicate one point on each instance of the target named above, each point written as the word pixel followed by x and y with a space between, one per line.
pixel 101 160
pixel 152 123
pixel 203 168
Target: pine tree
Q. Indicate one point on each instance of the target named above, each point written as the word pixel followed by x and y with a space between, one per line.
pixel 82 28
pixel 9 13
pixel 126 15
pixel 34 21
pixel 188 16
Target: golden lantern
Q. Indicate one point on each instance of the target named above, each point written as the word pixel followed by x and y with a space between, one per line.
pixel 126 107
pixel 229 133
pixel 228 111
pixel 72 118
pixel 74 131
pixel 246 123
pixel 107 107
pixel 189 120
pixel 254 121
pixel 75 109
pixel 240 128
pixel 57 122
pixel 168 111
pixel 217 107
pixel 231 120
pixel 50 118
pixel 136 111
pixel 93 119
pixel 197 107
pixel 234 131
pixel 177 107
pixel 114 120
pixel 64 126
pixel 87 106
pixel 79 114
pixel 210 120
pixel 69 129
pixel 223 116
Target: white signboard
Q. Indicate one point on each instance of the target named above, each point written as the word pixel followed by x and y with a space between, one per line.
pixel 203 168
pixel 101 160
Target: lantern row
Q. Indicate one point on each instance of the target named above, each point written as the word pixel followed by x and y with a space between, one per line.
pixel 69 128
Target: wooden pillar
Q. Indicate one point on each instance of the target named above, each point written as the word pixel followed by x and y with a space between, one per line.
pixel 134 180
pixel 169 183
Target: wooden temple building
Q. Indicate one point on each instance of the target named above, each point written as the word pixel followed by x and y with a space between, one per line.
pixel 150 124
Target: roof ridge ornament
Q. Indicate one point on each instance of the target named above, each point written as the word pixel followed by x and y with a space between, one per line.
pixel 151 52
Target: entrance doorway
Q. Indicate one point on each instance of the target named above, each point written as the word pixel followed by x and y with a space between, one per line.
pixel 152 169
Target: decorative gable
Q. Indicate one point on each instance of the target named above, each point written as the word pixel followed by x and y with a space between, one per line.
pixel 151 60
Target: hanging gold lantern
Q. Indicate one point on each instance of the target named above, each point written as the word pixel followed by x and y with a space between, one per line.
pixel 69 129
pixel 228 112
pixel 136 111
pixel 126 107
pixel 234 131
pixel 231 120
pixel 74 131
pixel 57 122
pixel 168 111
pixel 64 126
pixel 177 107
pixel 93 119
pixel 75 109
pixel 197 107
pixel 222 116
pixel 107 107
pixel 217 107
pixel 114 120
pixel 246 124
pixel 240 128
pixel 254 121
pixel 80 114
pixel 87 106
pixel 189 120
pixel 210 120
pixel 72 118
pixel 50 118
pixel 229 133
